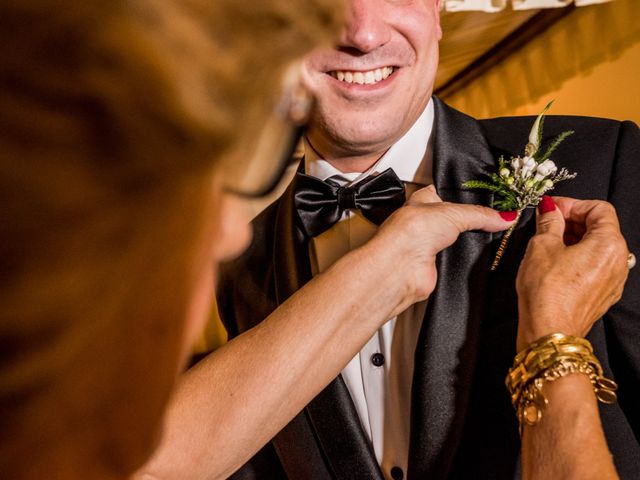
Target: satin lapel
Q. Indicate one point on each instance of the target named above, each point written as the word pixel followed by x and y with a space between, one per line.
pixel 344 442
pixel 447 344
pixel 332 415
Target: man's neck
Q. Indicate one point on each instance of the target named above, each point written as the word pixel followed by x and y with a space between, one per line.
pixel 348 161
pixel 354 164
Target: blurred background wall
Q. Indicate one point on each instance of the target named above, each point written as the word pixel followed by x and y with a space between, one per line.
pixel 588 60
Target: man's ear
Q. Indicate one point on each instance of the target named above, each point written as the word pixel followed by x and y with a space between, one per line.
pixel 439 5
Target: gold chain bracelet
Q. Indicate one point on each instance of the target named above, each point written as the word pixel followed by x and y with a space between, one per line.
pixel 545 360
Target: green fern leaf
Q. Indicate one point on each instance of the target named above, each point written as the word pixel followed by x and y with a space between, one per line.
pixel 471 184
pixel 554 145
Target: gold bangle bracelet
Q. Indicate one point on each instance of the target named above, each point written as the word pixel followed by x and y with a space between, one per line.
pixel 545 360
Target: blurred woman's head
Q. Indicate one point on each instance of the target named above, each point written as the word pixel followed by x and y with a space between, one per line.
pixel 118 120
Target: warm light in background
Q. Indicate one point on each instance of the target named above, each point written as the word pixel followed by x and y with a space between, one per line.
pixel 589 61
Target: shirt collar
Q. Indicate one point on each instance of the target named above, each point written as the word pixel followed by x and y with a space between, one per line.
pixel 411 157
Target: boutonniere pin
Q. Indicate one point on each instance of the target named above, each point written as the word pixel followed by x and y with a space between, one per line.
pixel 522 181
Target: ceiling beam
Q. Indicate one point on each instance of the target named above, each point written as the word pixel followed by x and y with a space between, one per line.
pixel 509 45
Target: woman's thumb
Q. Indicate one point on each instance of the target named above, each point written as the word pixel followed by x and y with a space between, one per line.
pixel 549 219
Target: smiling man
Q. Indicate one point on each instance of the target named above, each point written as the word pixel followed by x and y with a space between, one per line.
pixel 425 397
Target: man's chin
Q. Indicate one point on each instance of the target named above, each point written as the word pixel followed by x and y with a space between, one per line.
pixel 360 134
pixel 351 153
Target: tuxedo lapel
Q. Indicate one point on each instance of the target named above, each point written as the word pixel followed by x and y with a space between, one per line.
pixel 329 428
pixel 347 450
pixel 447 344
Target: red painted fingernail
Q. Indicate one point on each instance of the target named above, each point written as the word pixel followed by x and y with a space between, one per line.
pixel 508 216
pixel 546 204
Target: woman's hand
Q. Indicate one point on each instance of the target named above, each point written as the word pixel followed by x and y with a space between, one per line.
pixel 411 238
pixel 573 271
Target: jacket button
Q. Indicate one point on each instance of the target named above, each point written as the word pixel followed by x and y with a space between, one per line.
pixel 377 359
pixel 397 473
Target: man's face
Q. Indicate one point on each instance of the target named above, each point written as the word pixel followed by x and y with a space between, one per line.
pixel 376 82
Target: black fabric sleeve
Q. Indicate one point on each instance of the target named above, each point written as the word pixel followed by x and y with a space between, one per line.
pixel 622 322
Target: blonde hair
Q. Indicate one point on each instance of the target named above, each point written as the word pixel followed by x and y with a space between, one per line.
pixel 113 119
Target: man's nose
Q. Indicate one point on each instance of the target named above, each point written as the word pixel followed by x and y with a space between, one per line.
pixel 366 28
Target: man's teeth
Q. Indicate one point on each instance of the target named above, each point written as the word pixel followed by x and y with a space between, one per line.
pixel 363 78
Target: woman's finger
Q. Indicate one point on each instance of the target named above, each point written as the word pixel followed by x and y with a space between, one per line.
pixel 549 219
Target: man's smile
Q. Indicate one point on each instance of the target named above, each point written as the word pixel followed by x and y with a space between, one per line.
pixel 359 77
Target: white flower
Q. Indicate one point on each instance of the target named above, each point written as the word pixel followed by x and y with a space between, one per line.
pixel 528 165
pixel 547 168
pixel 504 172
pixel 516 163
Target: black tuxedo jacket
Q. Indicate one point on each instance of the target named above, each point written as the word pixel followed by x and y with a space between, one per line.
pixel 462 422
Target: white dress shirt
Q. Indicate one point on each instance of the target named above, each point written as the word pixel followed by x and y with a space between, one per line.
pixel 379 377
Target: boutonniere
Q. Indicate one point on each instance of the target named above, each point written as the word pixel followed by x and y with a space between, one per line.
pixel 523 180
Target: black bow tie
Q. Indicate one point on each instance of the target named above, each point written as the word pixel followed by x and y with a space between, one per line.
pixel 320 204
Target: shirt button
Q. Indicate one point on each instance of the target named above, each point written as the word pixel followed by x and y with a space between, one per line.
pixel 377 359
pixel 397 473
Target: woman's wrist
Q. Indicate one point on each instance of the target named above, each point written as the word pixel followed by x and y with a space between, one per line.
pixel 533 326
pixel 396 272
pixel 377 282
pixel 530 331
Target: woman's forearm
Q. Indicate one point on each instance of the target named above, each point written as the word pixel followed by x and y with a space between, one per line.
pixel 568 442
